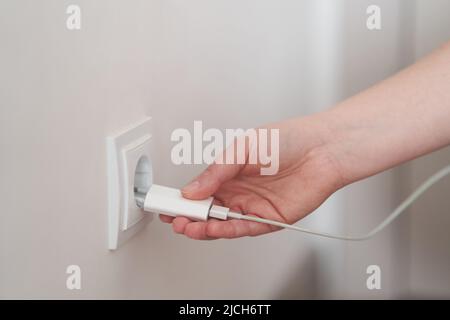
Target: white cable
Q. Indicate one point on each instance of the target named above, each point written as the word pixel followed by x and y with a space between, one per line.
pixel 399 210
pixel 169 201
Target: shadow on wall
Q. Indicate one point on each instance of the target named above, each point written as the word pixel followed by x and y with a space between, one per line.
pixel 304 283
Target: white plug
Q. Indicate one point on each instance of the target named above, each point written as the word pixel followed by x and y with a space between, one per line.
pixel 169 201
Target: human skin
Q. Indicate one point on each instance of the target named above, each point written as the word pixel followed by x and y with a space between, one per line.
pixel 399 119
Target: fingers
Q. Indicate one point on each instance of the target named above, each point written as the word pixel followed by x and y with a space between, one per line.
pixel 215 229
pixel 207 183
pixel 179 224
pixel 165 219
pixel 231 229
pixel 197 231
pixel 193 230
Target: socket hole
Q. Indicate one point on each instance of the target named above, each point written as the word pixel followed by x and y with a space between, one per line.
pixel 142 180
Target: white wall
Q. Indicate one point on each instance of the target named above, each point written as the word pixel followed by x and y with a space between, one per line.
pixel 228 63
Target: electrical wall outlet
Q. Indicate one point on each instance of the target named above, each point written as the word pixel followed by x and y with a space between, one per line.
pixel 129 171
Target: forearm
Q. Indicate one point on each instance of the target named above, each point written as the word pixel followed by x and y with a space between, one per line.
pixel 401 118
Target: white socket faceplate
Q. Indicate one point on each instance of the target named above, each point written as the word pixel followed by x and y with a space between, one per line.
pixel 124 150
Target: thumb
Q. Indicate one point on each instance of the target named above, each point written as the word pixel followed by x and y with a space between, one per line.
pixel 207 183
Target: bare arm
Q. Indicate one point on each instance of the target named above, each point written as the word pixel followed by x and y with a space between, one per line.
pixel 399 119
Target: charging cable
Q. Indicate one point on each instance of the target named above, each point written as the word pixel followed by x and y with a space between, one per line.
pixel 169 201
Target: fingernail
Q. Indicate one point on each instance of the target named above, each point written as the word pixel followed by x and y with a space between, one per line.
pixel 191 187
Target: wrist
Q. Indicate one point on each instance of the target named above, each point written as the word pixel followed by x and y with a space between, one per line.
pixel 325 152
pixel 357 144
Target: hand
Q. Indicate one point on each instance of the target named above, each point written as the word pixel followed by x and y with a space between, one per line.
pixel 307 175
